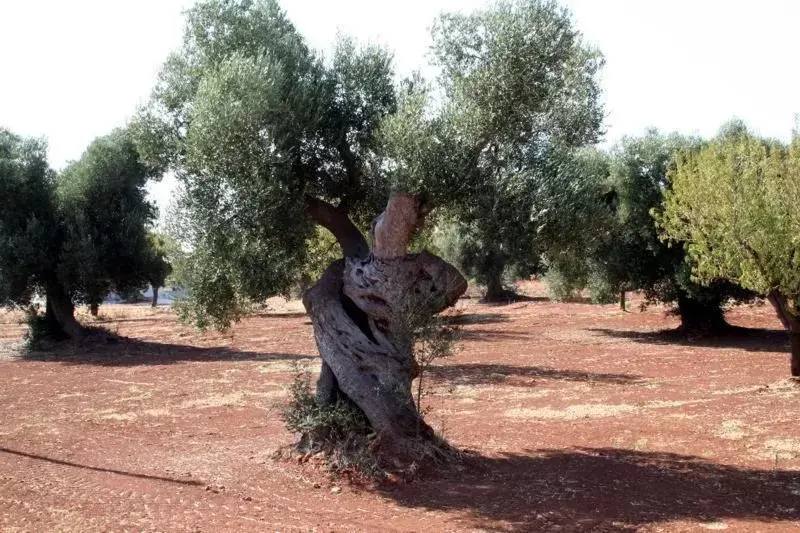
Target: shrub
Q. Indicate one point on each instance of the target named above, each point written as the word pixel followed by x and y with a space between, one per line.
pixel 339 431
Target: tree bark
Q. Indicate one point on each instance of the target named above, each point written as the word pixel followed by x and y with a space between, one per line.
pixel 622 300
pixel 154 301
pixel 370 367
pixel 791 322
pixel 701 317
pixel 339 224
pixel 392 230
pixel 360 310
pixel 61 309
pixel 494 288
pixel 493 266
pixel 354 245
pixel 94 309
pixel 779 304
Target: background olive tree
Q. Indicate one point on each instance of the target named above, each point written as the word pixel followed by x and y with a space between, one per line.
pixel 72 236
pixel 624 251
pixel 734 204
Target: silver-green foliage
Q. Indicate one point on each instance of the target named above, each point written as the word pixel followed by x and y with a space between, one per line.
pixel 518 91
pixel 253 121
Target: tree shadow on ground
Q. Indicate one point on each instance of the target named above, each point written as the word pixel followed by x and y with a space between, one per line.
pixel 132 352
pixel 603 489
pixel 750 339
pixel 280 314
pixel 511 297
pixel 141 320
pixel 97 468
pixel 577 299
pixel 480 374
pixel 463 319
pixel 488 335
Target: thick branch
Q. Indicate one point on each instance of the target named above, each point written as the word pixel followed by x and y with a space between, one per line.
pixel 392 230
pixel 781 309
pixel 337 222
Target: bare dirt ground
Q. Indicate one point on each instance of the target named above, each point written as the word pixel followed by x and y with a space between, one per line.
pixel 580 418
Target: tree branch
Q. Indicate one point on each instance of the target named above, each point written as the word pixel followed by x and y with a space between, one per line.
pixel 392 230
pixel 779 303
pixel 353 171
pixel 336 221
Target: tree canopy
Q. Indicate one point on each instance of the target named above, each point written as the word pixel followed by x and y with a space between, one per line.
pixel 267 136
pixel 76 235
pixel 29 229
pixel 624 251
pixel 734 204
pixel 520 92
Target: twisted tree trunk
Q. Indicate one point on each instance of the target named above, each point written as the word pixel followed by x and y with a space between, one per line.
pixel 361 310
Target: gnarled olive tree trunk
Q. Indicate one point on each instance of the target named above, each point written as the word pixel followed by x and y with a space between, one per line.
pixel 361 310
pixel 495 292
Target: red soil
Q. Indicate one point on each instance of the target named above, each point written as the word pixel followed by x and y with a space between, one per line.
pixel 580 418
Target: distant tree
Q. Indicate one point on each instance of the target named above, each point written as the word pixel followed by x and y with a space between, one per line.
pixel 578 214
pixel 157 267
pixel 268 139
pixel 30 233
pixel 734 204
pixel 484 55
pixel 75 236
pixel 628 254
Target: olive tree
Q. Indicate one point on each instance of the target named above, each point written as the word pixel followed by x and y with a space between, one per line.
pixel 494 59
pixel 30 233
pixel 156 263
pixel 269 139
pixel 73 236
pixel 627 253
pixel 734 204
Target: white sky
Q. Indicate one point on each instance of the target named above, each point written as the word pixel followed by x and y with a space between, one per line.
pixel 73 70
